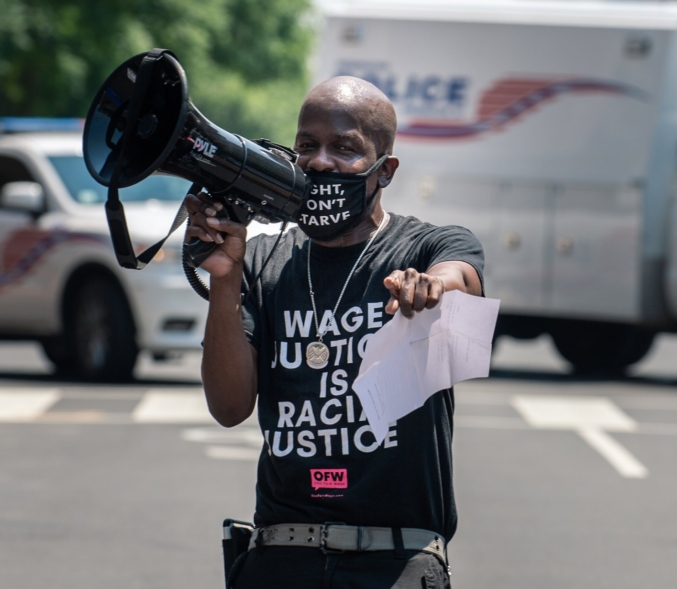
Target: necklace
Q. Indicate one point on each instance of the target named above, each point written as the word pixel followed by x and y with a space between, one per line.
pixel 317 353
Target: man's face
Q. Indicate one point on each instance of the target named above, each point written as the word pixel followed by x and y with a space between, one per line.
pixel 332 140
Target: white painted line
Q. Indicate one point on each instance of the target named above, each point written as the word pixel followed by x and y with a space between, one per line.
pixel 84 416
pixel 481 398
pixel 572 412
pixel 488 422
pixel 232 453
pixel 247 435
pixel 625 463
pixel 590 417
pixel 25 405
pixel 101 396
pixel 160 406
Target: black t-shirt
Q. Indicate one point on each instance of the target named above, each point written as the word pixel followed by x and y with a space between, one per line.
pixel 320 462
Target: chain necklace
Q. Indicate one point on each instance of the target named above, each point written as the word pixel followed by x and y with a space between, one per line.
pixel 317 353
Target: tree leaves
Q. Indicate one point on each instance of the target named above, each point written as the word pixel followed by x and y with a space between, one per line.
pixel 245 59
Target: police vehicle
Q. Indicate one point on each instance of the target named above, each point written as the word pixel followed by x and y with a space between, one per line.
pixel 549 130
pixel 60 283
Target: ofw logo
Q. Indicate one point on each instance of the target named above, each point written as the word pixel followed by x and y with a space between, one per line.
pixel 329 478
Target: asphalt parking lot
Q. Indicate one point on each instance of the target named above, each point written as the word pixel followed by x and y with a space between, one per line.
pixel 561 482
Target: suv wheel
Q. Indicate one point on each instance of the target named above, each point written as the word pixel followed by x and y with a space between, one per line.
pixel 57 352
pixel 100 332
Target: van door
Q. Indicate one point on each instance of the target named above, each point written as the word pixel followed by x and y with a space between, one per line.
pixel 519 270
pixel 596 248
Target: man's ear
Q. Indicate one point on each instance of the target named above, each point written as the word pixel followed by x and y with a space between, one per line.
pixel 387 171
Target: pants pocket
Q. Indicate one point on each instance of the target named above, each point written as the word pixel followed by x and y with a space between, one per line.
pixel 435 576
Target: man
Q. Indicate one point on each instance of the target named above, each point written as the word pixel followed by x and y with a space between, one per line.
pixel 297 345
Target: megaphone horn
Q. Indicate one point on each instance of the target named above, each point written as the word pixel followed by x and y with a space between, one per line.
pixel 141 121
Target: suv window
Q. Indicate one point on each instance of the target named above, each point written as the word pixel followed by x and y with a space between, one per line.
pixel 85 190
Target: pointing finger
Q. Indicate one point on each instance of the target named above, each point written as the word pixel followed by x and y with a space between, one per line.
pixel 392 283
pixel 394 280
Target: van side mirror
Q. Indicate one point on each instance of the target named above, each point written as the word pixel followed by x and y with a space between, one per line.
pixel 23 196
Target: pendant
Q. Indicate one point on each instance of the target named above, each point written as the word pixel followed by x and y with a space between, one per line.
pixel 317 355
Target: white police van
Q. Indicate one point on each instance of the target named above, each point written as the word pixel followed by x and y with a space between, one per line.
pixel 549 130
pixel 60 283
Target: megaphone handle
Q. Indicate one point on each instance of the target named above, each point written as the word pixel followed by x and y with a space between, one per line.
pixel 197 251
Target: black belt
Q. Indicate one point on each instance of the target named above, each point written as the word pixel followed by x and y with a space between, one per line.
pixel 331 537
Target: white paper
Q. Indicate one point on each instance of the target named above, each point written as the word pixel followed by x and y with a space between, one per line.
pixel 408 360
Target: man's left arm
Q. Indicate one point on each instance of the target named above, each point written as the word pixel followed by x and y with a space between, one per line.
pixel 412 291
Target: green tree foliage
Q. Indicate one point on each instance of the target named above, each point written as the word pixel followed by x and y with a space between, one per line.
pixel 245 59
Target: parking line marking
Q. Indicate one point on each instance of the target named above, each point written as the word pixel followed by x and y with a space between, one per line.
pixel 242 434
pixel 159 406
pixel 84 416
pixel 101 395
pixel 489 422
pixel 25 405
pixel 591 418
pixel 572 412
pixel 232 453
pixel 625 463
pixel 481 398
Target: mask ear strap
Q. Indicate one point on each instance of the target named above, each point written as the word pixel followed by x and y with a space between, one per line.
pixel 379 162
pixel 369 172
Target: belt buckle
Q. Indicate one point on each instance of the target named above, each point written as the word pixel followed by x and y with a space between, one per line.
pixel 323 538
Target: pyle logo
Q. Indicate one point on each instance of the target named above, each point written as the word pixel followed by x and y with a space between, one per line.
pixel 204 147
pixel 329 478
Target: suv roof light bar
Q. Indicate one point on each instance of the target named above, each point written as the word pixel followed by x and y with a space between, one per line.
pixel 39 124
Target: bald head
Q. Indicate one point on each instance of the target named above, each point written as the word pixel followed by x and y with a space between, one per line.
pixel 369 108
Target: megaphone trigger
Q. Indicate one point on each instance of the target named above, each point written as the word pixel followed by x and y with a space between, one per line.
pixel 197 251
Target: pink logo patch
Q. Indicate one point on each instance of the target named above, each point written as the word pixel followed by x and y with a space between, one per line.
pixel 329 478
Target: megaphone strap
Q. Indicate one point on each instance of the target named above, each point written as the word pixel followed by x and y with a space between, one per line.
pixel 122 243
pixel 115 212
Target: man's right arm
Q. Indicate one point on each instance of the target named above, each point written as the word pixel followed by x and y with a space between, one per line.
pixel 228 360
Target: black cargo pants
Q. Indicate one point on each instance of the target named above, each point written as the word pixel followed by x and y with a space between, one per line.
pixel 283 567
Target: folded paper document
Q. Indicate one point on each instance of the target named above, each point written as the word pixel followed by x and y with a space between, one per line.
pixel 408 360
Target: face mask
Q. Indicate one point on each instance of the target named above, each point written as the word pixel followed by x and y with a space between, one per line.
pixel 336 202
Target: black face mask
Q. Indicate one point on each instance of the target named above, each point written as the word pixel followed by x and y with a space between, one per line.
pixel 336 202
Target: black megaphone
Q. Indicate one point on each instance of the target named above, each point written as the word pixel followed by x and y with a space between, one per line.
pixel 141 121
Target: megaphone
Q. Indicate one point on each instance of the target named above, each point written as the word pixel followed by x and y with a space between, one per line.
pixel 141 121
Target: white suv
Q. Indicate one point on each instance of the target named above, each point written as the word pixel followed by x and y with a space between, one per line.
pixel 60 283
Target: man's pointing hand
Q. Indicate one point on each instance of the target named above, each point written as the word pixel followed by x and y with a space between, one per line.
pixel 412 291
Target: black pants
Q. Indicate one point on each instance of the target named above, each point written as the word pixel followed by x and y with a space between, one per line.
pixel 282 567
